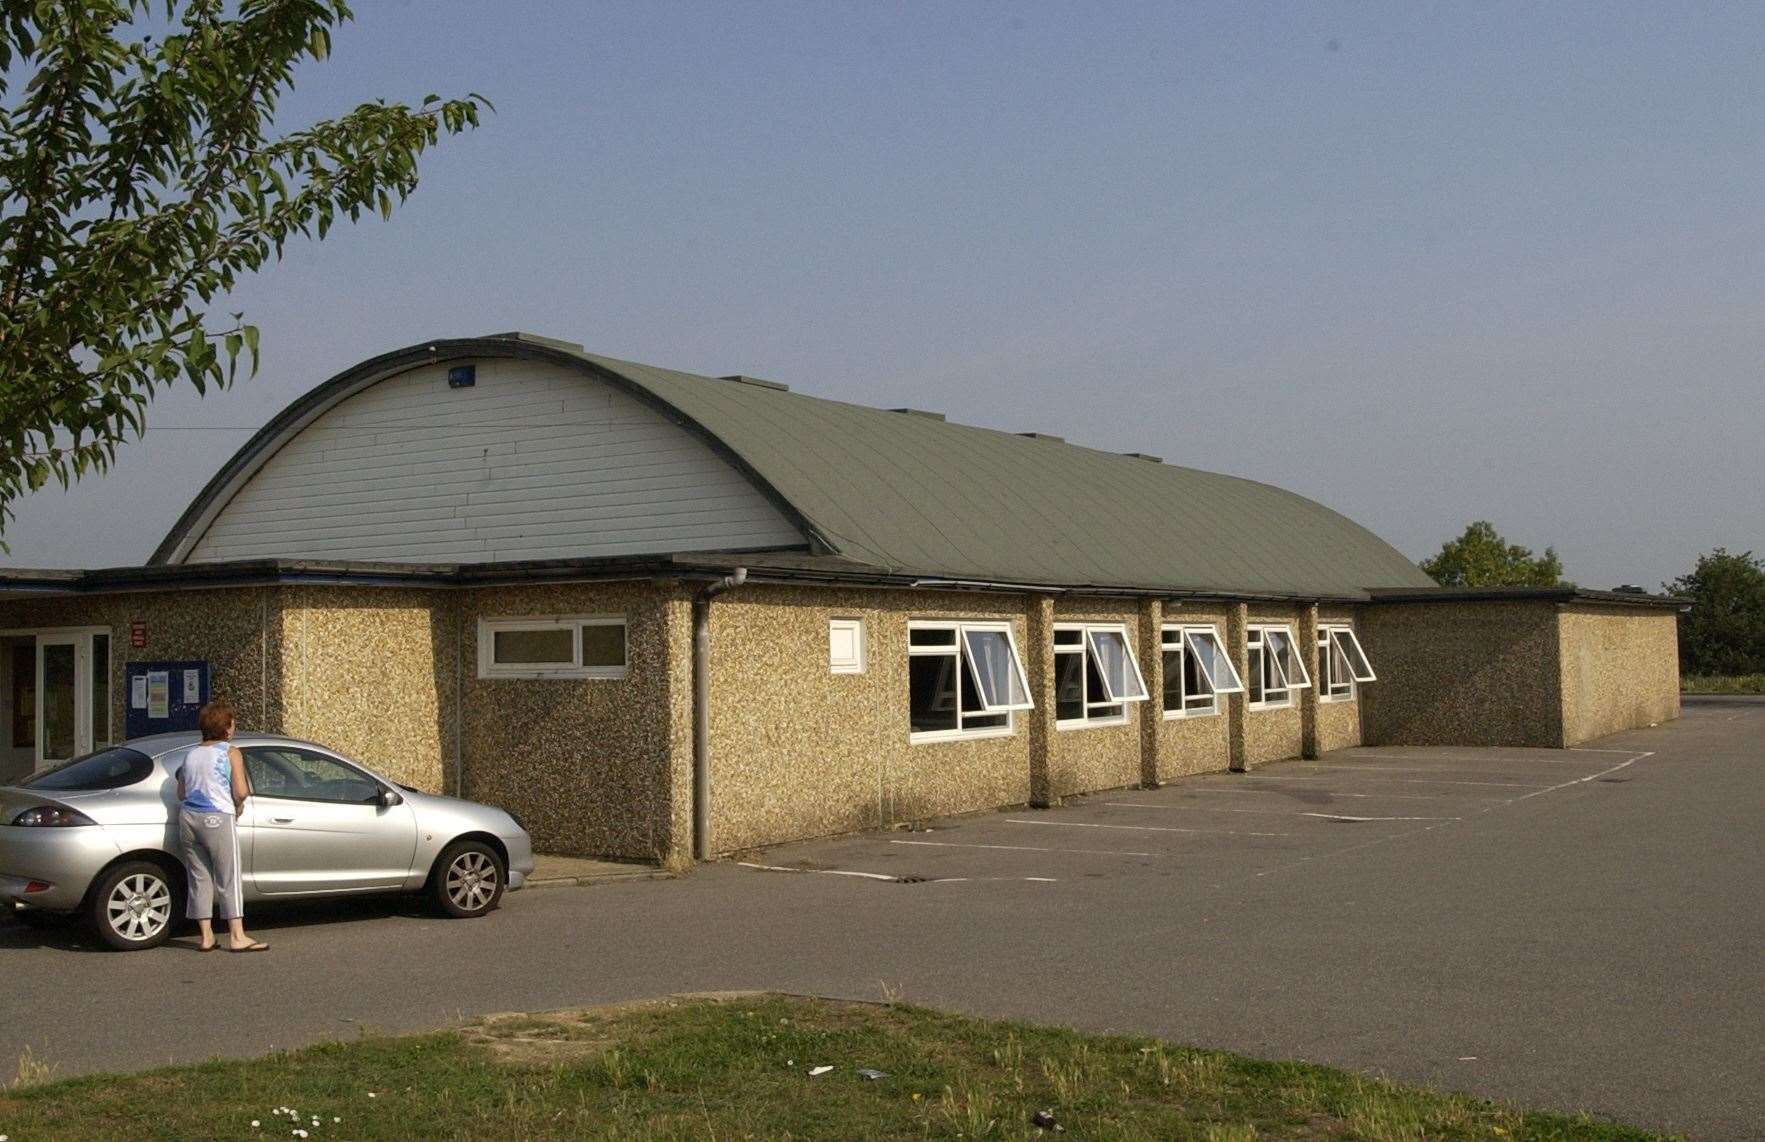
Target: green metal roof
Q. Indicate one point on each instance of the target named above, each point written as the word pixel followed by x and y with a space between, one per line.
pixel 907 492
pixel 911 493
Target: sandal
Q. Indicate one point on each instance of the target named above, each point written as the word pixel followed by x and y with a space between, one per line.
pixel 254 946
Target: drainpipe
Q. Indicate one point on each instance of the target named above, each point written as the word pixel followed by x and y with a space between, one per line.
pixel 702 708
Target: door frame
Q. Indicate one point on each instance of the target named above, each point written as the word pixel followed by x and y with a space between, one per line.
pixel 80 637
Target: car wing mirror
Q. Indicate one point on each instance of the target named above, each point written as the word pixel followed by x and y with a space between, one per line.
pixel 388 798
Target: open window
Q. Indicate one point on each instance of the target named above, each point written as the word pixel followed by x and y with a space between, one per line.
pixel 998 675
pixel 1197 670
pixel 1274 667
pixel 1341 663
pixel 1095 674
pixel 964 680
pixel 1284 650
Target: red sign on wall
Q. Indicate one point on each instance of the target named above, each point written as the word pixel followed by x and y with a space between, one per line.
pixel 137 634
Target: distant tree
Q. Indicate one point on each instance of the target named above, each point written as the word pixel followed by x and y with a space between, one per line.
pixel 1482 558
pixel 138 178
pixel 1724 632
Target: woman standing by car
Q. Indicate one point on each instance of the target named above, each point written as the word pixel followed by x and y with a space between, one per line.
pixel 212 788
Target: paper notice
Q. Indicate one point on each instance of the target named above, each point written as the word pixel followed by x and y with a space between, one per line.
pixel 138 692
pixel 192 687
pixel 159 694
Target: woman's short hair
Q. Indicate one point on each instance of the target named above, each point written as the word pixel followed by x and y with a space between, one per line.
pixel 214 719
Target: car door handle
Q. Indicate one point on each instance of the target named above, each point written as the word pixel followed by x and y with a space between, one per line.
pixel 281 820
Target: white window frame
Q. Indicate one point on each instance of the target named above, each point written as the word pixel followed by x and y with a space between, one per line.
pixel 1086 648
pixel 860 643
pixel 1175 637
pixel 1256 640
pixel 488 628
pixel 958 649
pixel 1333 638
pixel 85 711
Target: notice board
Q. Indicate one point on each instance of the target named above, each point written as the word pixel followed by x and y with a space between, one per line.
pixel 163 696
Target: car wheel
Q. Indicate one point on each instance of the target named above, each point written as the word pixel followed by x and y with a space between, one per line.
pixel 134 906
pixel 468 879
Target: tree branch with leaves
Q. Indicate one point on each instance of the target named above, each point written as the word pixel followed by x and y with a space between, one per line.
pixel 139 179
pixel 1482 558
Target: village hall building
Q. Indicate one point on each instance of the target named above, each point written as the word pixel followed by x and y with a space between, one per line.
pixel 659 615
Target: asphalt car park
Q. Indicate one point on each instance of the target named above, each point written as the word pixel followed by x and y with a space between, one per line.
pixel 1575 930
pixel 1235 824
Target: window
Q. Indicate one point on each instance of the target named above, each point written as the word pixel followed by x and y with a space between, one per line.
pixel 302 775
pixel 582 646
pixel 845 646
pixel 107 769
pixel 1341 663
pixel 1273 667
pixel 963 679
pixel 1196 671
pixel 1095 675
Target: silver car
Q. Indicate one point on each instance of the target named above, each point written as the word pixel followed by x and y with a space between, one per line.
pixel 98 836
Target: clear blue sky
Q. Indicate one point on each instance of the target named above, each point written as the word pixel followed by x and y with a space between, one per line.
pixel 1423 263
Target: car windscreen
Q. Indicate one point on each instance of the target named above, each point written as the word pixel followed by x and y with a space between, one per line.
pixel 107 769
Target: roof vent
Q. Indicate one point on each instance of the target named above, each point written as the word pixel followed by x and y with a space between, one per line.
pixel 920 412
pixel 1145 456
pixel 1044 436
pixel 757 382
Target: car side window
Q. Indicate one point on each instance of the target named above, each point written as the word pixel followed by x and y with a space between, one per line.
pixel 302 775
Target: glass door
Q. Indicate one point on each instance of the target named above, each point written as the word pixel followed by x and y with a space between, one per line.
pixel 64 700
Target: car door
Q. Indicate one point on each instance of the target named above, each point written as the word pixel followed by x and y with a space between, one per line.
pixel 318 826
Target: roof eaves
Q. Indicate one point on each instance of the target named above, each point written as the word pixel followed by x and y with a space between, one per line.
pixel 1563 594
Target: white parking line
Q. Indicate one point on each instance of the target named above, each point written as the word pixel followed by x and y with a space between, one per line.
pixel 819 871
pixel 1426 780
pixel 1366 796
pixel 1449 781
pixel 1201 808
pixel 1138 828
pixel 1430 827
pixel 1021 849
pixel 1448 761
pixel 1346 817
pixel 1589 777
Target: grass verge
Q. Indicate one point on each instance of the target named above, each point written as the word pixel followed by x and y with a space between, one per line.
pixel 741 1067
pixel 1722 683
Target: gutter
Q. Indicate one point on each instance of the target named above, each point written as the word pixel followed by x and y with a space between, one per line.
pixel 702 707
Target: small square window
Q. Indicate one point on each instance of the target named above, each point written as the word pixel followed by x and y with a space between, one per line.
pixel 603 644
pixel 845 646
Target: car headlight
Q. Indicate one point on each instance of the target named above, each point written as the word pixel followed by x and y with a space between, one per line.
pixel 52 816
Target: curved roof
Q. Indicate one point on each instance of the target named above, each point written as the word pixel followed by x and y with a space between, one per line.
pixel 906 492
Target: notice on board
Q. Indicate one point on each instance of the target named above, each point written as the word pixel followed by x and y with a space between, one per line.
pixel 138 692
pixel 192 687
pixel 159 694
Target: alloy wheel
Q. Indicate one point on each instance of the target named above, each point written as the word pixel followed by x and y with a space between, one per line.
pixel 471 881
pixel 139 907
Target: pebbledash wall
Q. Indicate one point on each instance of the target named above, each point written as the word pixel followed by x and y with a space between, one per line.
pixel 797 750
pixel 1549 672
pixel 603 766
pixel 1620 669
